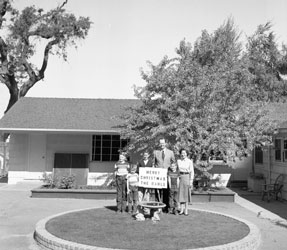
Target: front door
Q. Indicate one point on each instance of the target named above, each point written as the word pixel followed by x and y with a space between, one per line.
pixel 37 153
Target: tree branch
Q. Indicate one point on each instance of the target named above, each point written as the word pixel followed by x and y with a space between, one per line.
pixel 33 76
pixel 29 70
pixel 3 9
pixel 3 51
pixel 63 4
pixel 13 90
pixel 26 86
pixel 46 57
pixel 4 71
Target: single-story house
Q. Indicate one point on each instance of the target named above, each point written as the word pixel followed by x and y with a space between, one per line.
pixel 271 160
pixel 79 136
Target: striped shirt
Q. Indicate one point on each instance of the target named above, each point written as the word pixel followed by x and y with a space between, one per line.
pixel 122 168
pixel 133 179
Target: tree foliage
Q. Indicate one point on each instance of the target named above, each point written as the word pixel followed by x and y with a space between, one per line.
pixel 24 31
pixel 204 99
pixel 266 63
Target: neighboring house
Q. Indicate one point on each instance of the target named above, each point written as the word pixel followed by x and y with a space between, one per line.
pixel 79 136
pixel 272 160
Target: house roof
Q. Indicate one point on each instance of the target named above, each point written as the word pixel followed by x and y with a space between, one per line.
pixel 65 114
pixel 83 115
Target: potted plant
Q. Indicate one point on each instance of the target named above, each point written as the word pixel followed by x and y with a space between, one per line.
pixel 202 176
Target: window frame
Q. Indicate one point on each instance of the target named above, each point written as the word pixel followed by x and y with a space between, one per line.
pixel 278 148
pixel 103 147
pixel 258 155
pixel 284 156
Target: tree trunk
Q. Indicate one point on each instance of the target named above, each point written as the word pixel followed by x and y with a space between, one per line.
pixel 14 97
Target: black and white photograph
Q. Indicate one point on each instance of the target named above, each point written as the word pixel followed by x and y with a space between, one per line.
pixel 143 124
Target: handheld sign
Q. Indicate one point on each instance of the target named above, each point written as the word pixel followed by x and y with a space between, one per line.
pixel 153 178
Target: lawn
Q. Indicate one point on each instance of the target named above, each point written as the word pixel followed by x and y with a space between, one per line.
pixel 104 228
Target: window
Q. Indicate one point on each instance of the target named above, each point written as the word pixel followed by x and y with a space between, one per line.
pixel 71 160
pixel 277 149
pixel 258 155
pixel 106 147
pixel 285 150
pixel 216 156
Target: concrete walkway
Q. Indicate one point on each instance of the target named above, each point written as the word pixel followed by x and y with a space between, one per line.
pixel 19 214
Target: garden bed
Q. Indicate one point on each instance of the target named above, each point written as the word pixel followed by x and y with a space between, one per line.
pixel 89 193
pixel 98 193
pixel 220 195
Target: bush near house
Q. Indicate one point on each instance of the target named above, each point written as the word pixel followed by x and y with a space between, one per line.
pixel 68 182
pixel 61 182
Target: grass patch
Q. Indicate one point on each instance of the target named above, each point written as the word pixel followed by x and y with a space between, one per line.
pixel 104 228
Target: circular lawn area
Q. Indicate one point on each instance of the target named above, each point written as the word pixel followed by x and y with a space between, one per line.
pixel 103 227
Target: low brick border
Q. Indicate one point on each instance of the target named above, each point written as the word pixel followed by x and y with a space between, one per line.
pixel 96 194
pixel 50 242
pixel 106 194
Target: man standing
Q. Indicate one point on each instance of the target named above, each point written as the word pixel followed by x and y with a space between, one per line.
pixel 163 158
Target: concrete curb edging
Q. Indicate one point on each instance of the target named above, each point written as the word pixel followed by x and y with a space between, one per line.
pixel 50 242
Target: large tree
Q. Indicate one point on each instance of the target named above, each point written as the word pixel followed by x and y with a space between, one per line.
pixel 24 31
pixel 201 100
pixel 267 63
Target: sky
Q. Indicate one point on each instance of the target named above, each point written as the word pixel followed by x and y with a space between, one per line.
pixel 125 34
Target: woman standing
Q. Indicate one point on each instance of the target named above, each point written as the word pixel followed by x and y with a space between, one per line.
pixel 186 171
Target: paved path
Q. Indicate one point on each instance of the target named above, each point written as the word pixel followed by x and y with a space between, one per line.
pixel 19 214
pixel 276 207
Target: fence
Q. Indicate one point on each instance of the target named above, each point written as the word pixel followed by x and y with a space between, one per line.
pixel 4 158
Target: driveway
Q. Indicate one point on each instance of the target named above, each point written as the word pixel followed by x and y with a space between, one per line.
pixel 19 214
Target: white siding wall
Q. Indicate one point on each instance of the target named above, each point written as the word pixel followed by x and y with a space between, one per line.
pixel 272 170
pixel 24 162
pixel 33 154
pixel 18 152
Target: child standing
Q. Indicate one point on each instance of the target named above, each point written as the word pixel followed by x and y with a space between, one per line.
pixel 132 187
pixel 121 171
pixel 145 162
pixel 173 186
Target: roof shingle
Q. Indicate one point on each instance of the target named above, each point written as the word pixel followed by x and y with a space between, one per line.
pixel 62 114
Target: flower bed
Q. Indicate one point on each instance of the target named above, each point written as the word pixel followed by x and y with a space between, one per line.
pixel 79 193
pixel 101 193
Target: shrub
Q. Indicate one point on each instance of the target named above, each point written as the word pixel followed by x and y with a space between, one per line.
pixel 50 180
pixel 67 182
pixel 54 181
